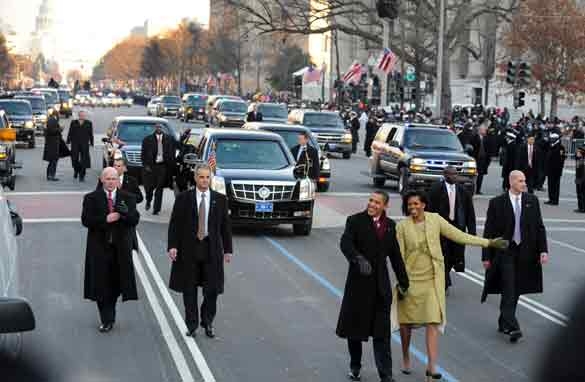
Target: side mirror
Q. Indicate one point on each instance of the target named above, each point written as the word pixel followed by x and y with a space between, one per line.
pixel 15 315
pixel 299 171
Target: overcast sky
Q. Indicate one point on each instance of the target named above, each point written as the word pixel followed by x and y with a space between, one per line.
pixel 87 28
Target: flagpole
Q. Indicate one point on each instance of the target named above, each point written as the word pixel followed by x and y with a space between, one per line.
pixel 440 59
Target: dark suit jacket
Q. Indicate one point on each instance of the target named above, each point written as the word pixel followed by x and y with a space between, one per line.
pixel 313 155
pixel 150 150
pixel 500 223
pixel 254 117
pixel 97 280
pixel 522 159
pixel 481 154
pixel 129 185
pixel 182 236
pixel 361 316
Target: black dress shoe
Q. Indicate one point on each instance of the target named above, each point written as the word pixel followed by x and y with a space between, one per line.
pixel 354 375
pixel 551 203
pixel 74 175
pixel 81 179
pixel 147 206
pixel 505 331
pixel 191 333
pixel 515 336
pixel 104 328
pixel 209 332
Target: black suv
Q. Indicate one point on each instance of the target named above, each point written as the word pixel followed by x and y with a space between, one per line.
pixel 169 105
pixel 20 115
pixel 192 107
pixel 257 173
pixel 416 154
pixel 290 134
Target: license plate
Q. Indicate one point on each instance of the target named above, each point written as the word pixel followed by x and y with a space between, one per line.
pixel 264 207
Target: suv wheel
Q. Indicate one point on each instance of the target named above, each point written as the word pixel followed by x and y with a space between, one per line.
pixel 379 181
pixel 346 155
pixel 303 229
pixel 403 181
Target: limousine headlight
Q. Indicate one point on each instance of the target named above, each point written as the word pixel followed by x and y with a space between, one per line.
pixel 307 191
pixel 218 184
pixel 347 138
pixel 469 168
pixel 417 161
pixel 29 125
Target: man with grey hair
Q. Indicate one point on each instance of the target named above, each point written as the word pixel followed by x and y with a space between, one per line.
pixel 80 137
pixel 199 241
pixel 110 216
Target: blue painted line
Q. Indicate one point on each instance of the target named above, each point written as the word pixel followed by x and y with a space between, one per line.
pixel 339 294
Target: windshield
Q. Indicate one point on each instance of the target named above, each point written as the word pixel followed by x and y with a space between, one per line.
pixel 38 105
pixel 437 139
pixel 64 95
pixel 169 100
pixel 273 111
pixel 245 154
pixel 291 138
pixel 136 131
pixel 16 108
pixel 323 120
pixel 233 107
pixel 51 98
pixel 196 101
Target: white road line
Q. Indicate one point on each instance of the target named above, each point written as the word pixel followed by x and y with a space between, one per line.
pixel 162 288
pixel 167 332
pixel 525 299
pixel 567 245
pixel 397 196
pixel 47 193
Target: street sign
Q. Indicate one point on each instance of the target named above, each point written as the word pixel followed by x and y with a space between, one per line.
pixel 422 85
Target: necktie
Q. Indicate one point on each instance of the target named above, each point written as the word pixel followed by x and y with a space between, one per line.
pixel 530 155
pixel 201 222
pixel 451 194
pixel 159 148
pixel 517 234
pixel 110 202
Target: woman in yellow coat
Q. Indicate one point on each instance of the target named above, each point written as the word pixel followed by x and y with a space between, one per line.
pixel 424 303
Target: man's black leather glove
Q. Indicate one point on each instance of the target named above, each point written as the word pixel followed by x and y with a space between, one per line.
pixel 401 291
pixel 364 265
pixel 122 208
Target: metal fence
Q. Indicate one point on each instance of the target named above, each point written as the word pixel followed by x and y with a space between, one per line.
pixel 571 145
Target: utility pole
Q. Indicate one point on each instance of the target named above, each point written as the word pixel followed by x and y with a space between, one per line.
pixel 440 54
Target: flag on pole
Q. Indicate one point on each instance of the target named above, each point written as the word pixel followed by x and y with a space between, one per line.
pixel 312 75
pixel 212 161
pixel 387 61
pixel 354 73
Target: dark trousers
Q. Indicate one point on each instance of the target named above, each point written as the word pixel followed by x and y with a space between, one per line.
pixel 155 183
pixel 449 250
pixel 355 138
pixel 581 197
pixel 78 157
pixel 52 168
pixel 510 296
pixel 554 188
pixel 531 174
pixel 107 311
pixel 107 306
pixel 382 355
pixel 478 183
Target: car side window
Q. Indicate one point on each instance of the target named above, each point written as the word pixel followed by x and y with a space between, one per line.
pixel 398 136
pixel 381 134
pixel 391 135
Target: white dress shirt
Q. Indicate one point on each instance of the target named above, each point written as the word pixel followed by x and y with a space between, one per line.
pixel 207 196
pixel 452 194
pixel 513 200
pixel 121 180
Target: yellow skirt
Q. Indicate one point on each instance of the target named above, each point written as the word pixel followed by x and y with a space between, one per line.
pixel 421 304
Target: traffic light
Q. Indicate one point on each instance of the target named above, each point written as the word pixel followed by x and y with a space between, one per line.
pixel 512 71
pixel 401 90
pixel 387 9
pixel 524 74
pixel 413 94
pixel 519 99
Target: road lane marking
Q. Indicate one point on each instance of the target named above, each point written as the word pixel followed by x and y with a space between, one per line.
pixel 47 193
pixel 337 293
pixel 167 332
pixel 179 322
pixel 567 245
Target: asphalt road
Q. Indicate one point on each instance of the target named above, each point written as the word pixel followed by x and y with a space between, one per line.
pixel 276 320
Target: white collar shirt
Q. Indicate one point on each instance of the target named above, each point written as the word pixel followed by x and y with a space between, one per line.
pixel 513 201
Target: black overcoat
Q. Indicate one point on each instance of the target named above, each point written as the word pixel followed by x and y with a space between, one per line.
pixel 464 218
pixel 313 155
pixel 182 236
pixel 361 316
pixel 500 223
pixel 555 161
pixel 149 152
pixel 93 216
pixel 53 140
pixel 80 136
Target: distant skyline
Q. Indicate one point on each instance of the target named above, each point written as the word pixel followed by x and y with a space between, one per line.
pixel 86 29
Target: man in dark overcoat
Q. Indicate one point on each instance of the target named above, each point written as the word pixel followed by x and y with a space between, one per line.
pixel 110 216
pixel 199 241
pixel 514 216
pixel 455 204
pixel 369 238
pixel 52 149
pixel 555 161
pixel 80 137
pixel 481 155
pixel 307 156
pixel 158 160
pixel 528 158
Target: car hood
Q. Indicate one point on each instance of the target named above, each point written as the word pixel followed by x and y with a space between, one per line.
pixel 274 119
pixel 20 118
pixel 230 115
pixel 328 130
pixel 284 175
pixel 440 155
pixel 132 146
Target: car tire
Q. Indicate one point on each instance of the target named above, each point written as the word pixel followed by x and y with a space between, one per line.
pixel 32 143
pixel 323 187
pixel 346 155
pixel 379 181
pixel 403 181
pixel 303 229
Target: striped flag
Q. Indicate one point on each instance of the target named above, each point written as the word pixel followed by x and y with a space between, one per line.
pixel 387 61
pixel 354 73
pixel 212 161
pixel 312 75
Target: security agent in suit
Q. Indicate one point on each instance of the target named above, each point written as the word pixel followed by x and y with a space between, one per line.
pixel 110 216
pixel 454 203
pixel 254 115
pixel 199 241
pixel 555 161
pixel 80 136
pixel 481 155
pixel 307 155
pixel 528 157
pixel 158 159
pixel 580 178
pixel 514 215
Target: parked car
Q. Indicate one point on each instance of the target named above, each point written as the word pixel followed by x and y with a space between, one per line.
pixel 415 155
pixel 229 113
pixel 16 315
pixel 192 107
pixel 124 139
pixel 152 106
pixel 328 127
pixel 258 175
pixel 20 117
pixel 272 112
pixel 66 107
pixel 290 135
pixel 39 108
pixel 169 105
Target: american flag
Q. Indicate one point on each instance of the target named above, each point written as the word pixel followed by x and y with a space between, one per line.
pixel 211 161
pixel 211 81
pixel 387 61
pixel 312 75
pixel 354 73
